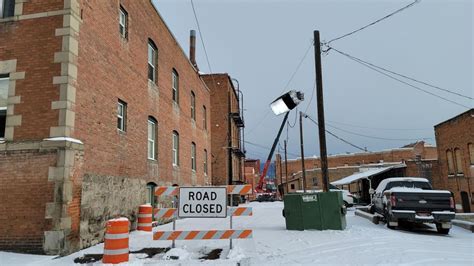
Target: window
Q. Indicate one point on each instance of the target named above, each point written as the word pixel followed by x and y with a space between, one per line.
pixel 152 56
pixel 204 117
pixel 470 147
pixel 122 115
pixel 175 148
pixel 175 85
pixel 193 106
pixel 458 157
pixel 292 186
pixel 450 159
pixel 123 23
pixel 205 161
pixel 151 138
pixel 3 103
pixel 193 156
pixel 7 8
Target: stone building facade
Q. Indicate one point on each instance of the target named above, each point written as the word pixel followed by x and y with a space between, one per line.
pixel 98 104
pixel 455 142
pixel 226 129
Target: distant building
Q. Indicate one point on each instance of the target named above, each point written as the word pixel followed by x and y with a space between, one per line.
pixel 455 142
pixel 416 159
pixel 98 105
pixel 252 173
pixel 226 128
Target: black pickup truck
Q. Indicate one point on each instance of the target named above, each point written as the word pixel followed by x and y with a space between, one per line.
pixel 412 199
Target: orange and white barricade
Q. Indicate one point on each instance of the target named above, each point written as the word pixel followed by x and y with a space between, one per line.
pixel 202 235
pixel 145 217
pixel 116 241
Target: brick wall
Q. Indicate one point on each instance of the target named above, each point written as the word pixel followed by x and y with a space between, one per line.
pixel 222 91
pixel 111 68
pixel 23 197
pixel 69 66
pixel 456 133
pixel 394 155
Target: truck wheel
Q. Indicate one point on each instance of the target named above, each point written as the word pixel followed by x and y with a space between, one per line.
pixel 442 230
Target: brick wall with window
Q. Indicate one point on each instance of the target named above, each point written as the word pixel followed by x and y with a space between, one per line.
pixel 99 72
pixel 454 138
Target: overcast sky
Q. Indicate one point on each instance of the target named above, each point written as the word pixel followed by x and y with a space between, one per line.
pixel 260 43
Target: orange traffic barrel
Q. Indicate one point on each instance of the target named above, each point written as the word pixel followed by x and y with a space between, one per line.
pixel 144 218
pixel 116 241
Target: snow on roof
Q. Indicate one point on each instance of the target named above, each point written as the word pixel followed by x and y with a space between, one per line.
pixel 364 175
pixel 64 139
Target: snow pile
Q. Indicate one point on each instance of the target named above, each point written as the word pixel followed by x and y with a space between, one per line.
pixel 65 139
pixel 176 254
pixel 361 243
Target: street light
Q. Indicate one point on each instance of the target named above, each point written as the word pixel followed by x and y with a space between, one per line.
pixel 286 102
pixel 282 105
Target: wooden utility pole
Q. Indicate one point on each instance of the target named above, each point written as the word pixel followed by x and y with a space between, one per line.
pixel 320 109
pixel 286 169
pixel 303 170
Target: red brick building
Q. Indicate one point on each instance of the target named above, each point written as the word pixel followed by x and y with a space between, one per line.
pixel 416 159
pixel 455 142
pixel 98 103
pixel 226 129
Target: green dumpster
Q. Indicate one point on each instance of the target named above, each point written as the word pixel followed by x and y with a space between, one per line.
pixel 320 211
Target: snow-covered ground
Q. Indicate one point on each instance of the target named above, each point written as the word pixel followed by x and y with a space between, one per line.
pixel 361 243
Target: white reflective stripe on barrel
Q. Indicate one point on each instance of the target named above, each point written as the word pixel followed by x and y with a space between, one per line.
pixel 116 251
pixel 142 224
pixel 143 215
pixel 116 236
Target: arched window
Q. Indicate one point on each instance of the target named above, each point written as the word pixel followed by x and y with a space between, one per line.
pixel 152 59
pixel 458 157
pixel 450 160
pixel 193 106
pixel 193 156
pixel 175 85
pixel 205 161
pixel 470 147
pixel 152 137
pixel 175 148
pixel 204 117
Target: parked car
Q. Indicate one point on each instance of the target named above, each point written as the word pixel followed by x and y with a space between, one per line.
pixel 413 200
pixel 348 198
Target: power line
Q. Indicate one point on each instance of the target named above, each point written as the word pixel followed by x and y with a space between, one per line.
pixel 372 137
pixel 286 86
pixel 267 148
pixel 394 78
pixel 200 35
pixel 378 128
pixel 405 76
pixel 375 22
pixel 339 138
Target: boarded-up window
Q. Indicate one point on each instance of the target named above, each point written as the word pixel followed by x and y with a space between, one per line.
pixel 458 157
pixel 450 160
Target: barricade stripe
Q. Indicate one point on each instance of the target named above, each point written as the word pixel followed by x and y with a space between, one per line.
pixel 175 234
pixel 202 235
pixel 218 235
pixel 116 251
pixel 116 236
pixel 191 235
pixel 227 234
pixel 158 235
pixel 209 234
pixel 166 191
pixel 239 189
pixel 246 234
pixel 238 212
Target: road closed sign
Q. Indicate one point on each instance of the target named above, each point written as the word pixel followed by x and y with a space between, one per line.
pixel 202 202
